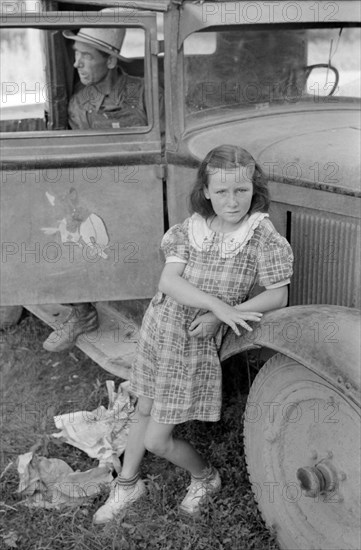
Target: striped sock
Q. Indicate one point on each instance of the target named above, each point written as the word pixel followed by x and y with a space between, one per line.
pixel 206 474
pixel 127 482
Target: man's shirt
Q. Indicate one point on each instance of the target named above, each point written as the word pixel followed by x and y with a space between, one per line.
pixel 117 101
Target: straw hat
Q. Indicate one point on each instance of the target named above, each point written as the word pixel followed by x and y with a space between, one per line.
pixel 106 40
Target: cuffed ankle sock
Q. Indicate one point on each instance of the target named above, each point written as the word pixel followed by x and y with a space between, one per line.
pixel 127 482
pixel 207 472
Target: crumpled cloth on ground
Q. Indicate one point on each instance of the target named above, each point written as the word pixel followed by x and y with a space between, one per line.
pixel 101 433
pixel 51 483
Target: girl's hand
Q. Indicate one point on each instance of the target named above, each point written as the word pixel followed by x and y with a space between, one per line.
pixel 233 317
pixel 204 326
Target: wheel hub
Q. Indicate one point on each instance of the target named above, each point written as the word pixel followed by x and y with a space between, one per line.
pixel 318 479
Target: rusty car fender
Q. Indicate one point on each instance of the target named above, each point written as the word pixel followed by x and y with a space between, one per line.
pixel 323 338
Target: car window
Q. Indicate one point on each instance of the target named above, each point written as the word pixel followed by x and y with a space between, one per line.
pixel 133 45
pixel 23 81
pixel 249 67
pixel 40 86
pixel 201 43
pixel 107 97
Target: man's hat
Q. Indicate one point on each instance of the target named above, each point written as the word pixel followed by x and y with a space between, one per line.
pixel 106 40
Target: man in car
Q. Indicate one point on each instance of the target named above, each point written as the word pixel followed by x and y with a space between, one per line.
pixel 106 97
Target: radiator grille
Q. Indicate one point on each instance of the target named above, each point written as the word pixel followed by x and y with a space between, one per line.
pixel 326 267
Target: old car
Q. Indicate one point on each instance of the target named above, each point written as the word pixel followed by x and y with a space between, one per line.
pixel 282 79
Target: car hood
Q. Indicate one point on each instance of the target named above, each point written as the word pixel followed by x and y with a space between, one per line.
pixel 319 149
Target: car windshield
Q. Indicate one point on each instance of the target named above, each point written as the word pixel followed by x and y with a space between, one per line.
pixel 248 68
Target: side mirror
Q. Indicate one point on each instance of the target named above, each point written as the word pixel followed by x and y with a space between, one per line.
pixel 321 79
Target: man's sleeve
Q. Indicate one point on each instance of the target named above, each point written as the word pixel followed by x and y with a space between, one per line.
pixel 75 119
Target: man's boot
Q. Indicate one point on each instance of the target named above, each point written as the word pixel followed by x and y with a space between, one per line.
pixel 82 318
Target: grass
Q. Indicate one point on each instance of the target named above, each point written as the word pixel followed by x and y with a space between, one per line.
pixel 37 385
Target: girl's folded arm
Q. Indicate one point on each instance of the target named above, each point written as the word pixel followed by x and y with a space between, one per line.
pixel 266 301
pixel 273 298
pixel 172 283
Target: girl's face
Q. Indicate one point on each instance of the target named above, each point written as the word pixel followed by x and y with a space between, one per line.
pixel 230 192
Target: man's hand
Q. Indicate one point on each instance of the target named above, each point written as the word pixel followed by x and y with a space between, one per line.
pixel 204 326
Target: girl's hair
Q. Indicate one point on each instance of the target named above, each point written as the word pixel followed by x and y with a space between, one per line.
pixel 226 157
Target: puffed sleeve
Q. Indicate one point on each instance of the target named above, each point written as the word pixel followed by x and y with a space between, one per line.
pixel 275 259
pixel 175 244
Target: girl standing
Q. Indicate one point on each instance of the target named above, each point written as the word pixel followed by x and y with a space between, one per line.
pixel 213 260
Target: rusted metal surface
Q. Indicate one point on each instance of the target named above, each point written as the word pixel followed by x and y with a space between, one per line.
pixel 81 234
pixel 325 339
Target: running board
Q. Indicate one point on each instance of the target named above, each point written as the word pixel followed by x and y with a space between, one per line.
pixel 112 346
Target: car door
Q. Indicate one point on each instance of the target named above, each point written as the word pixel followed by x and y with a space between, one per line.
pixel 81 210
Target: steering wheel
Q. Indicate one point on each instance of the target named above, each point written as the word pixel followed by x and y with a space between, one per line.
pixel 310 68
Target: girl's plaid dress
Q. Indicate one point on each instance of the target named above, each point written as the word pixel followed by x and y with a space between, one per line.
pixel 182 373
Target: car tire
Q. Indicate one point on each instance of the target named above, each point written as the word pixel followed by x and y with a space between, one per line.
pixel 297 424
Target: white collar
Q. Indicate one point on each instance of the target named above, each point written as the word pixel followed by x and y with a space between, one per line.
pixel 202 238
